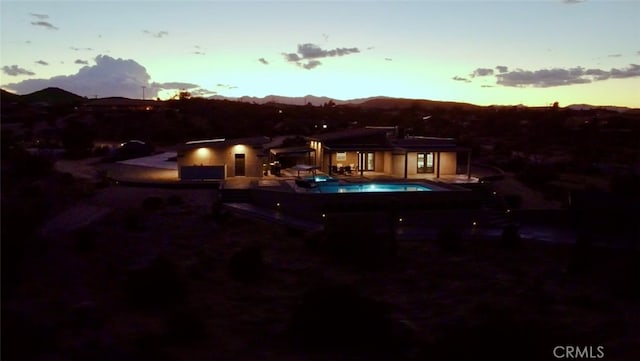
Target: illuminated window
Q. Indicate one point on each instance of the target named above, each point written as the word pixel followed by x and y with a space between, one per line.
pixel 341 156
pixel 425 162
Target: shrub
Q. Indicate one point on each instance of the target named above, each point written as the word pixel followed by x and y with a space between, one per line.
pixel 84 240
pixel 133 219
pixel 337 318
pixel 511 236
pixel 247 264
pixel 152 203
pixel 185 326
pixel 159 284
pixel 174 200
pixel 449 238
pixel 513 201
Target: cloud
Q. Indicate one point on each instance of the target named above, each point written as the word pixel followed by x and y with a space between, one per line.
pixel 201 92
pixel 108 77
pixel 80 49
pixel 81 62
pixel 502 69
pixel 39 16
pixel 159 34
pixel 199 53
pixel 573 1
pixel 263 61
pixel 42 62
pixel 311 64
pixel 44 24
pixel 174 85
pixel 481 72
pixel 545 78
pixel 311 52
pixel 614 55
pixel 388 59
pixel 15 70
pixel 226 86
pixel 458 78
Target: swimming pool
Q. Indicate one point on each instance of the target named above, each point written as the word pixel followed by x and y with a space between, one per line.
pixel 376 187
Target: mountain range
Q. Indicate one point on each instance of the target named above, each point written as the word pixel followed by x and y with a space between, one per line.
pixel 57 96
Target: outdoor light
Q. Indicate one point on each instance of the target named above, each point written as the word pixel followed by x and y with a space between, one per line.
pixel 400 219
pixel 202 152
pixel 278 204
pixel 494 193
pixel 475 223
pixel 508 210
pixel 324 215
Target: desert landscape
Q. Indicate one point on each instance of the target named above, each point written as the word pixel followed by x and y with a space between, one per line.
pixel 162 274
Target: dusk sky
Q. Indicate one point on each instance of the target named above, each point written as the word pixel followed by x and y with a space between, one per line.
pixel 482 52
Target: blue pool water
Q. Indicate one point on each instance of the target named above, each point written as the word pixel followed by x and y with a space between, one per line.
pixel 371 187
pixel 320 178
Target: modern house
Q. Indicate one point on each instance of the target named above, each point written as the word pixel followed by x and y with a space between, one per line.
pixel 388 151
pixel 359 151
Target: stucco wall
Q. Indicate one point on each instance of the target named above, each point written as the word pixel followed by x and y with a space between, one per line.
pixel 448 163
pixel 221 156
pixel 398 165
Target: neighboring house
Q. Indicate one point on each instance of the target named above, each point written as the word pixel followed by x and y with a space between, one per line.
pixel 220 158
pixel 381 150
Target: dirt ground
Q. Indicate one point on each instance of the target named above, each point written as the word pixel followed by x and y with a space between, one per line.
pixel 153 279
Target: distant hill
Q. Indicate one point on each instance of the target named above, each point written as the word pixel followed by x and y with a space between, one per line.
pixel 57 96
pixel 401 103
pixel 379 102
pixel 278 99
pixel 52 96
pixel 602 107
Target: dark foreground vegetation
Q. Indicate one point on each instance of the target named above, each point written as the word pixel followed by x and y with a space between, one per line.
pixel 162 278
pixel 164 275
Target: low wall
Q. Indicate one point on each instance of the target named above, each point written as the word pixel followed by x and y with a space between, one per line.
pixel 202 172
pixel 313 205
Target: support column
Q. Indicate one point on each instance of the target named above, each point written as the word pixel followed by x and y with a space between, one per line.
pixel 406 163
pixel 330 165
pixel 438 166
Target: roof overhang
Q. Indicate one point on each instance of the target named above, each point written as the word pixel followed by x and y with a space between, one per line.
pixel 291 150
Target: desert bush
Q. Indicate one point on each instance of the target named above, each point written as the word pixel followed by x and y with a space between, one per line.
pixel 84 240
pixel 511 236
pixel 449 238
pixel 133 219
pixel 159 284
pixel 360 238
pixel 340 319
pixel 175 200
pixel 513 201
pixel 185 326
pixel 247 264
pixel 152 203
pixel 494 337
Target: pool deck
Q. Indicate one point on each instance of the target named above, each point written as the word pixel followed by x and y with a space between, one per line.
pixel 150 175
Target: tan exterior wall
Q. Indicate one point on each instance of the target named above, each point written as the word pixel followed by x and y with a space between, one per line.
pixel 398 165
pixel 448 163
pixel 388 163
pixel 221 156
